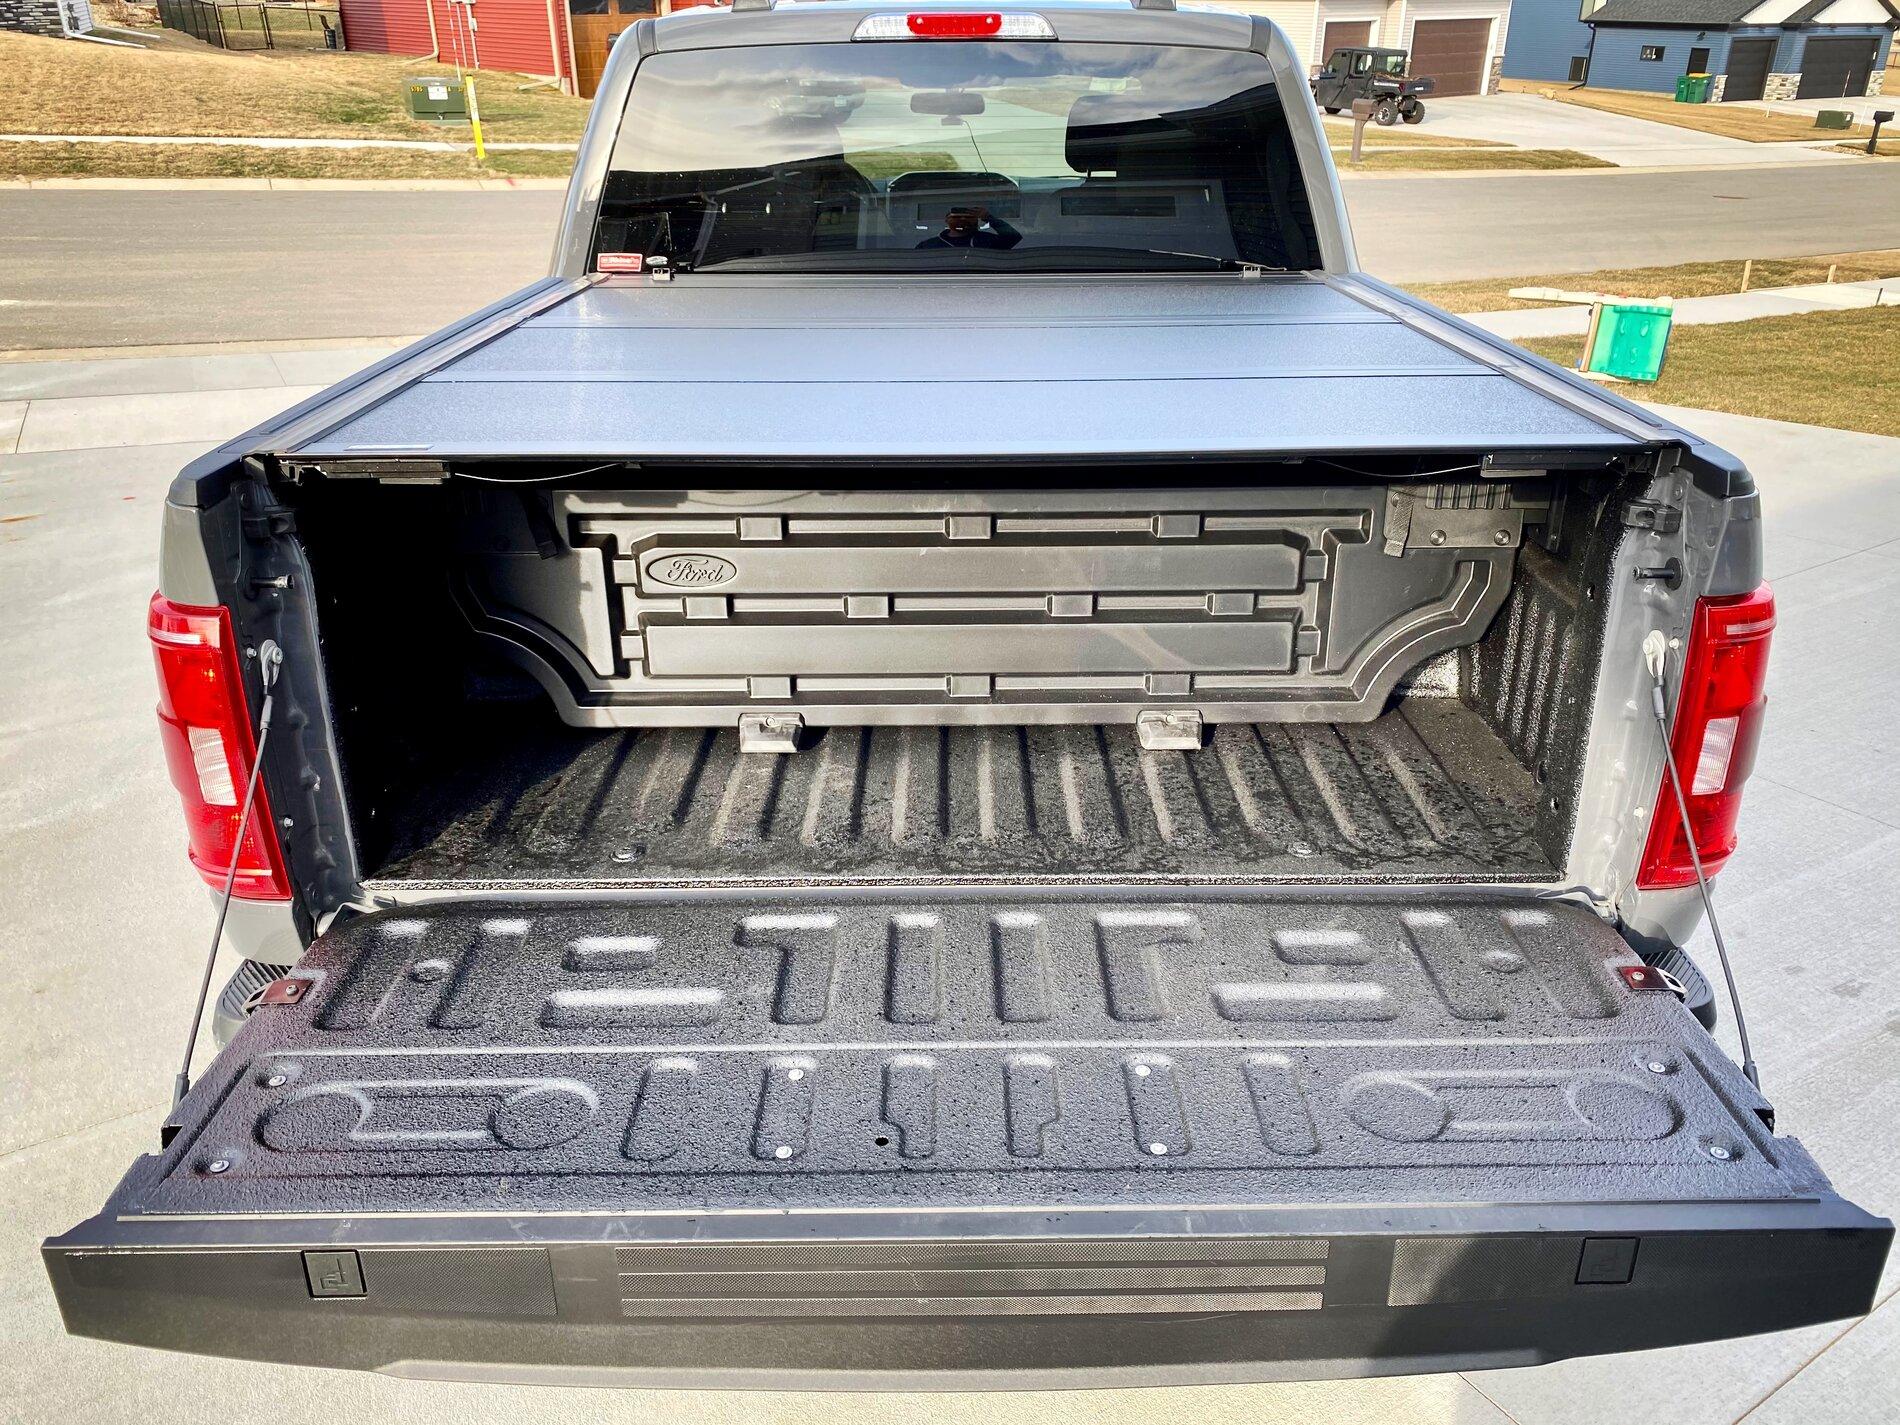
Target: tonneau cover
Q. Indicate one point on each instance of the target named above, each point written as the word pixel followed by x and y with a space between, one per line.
pixel 956 368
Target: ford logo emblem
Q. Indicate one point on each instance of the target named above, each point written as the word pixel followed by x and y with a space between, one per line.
pixel 690 571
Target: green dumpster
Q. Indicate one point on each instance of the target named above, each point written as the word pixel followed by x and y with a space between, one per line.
pixel 1693 89
pixel 1628 340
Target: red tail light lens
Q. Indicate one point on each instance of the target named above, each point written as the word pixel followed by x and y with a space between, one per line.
pixel 206 728
pixel 954 27
pixel 1718 720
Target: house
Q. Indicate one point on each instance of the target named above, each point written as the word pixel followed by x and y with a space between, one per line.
pixel 1458 43
pixel 563 40
pixel 46 17
pixel 1756 49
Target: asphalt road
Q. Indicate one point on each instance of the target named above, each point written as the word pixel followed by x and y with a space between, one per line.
pixel 110 267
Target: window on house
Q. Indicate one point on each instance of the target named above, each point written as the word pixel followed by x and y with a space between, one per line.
pixel 1652 52
pixel 1579 68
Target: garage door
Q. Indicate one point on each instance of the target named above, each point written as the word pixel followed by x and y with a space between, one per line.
pixel 1747 69
pixel 1347 34
pixel 1835 69
pixel 1452 53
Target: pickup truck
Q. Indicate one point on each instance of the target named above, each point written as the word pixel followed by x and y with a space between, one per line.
pixel 957 755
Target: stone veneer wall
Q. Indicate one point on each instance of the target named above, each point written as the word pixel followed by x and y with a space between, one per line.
pixel 1781 86
pixel 36 17
pixel 1497 71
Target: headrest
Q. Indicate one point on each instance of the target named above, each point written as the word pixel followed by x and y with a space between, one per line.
pixel 1116 131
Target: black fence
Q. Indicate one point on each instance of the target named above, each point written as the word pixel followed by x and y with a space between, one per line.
pixel 234 24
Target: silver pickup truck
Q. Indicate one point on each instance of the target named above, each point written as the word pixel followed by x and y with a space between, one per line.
pixel 957 755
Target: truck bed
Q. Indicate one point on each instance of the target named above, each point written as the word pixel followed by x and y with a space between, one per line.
pixel 797 367
pixel 1427 790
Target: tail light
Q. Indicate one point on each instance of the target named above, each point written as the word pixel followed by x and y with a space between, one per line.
pixel 1718 719
pixel 206 728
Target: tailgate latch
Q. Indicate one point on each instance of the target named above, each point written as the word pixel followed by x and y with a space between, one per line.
pixel 1473 515
pixel 1177 730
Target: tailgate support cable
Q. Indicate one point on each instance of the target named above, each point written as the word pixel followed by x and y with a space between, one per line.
pixel 1654 654
pixel 270 659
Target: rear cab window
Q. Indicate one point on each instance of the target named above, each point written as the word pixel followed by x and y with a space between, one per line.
pixel 980 156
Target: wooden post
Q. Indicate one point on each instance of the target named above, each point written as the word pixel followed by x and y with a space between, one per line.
pixel 1748 273
pixel 1832 268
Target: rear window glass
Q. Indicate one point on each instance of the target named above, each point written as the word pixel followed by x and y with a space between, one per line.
pixel 982 156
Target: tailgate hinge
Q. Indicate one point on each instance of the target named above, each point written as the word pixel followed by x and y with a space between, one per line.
pixel 1652 977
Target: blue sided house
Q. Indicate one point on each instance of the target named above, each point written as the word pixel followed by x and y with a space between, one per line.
pixel 1756 49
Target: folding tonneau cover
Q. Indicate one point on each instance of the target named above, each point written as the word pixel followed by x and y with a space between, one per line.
pixel 959 368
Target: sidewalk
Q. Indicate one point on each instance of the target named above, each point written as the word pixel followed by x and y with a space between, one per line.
pixel 1531 121
pixel 1554 320
pixel 119 402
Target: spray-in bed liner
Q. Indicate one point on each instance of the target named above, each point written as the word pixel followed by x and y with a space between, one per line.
pixel 948 1051
pixel 1426 791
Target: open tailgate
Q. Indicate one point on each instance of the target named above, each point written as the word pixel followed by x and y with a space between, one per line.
pixel 838 1139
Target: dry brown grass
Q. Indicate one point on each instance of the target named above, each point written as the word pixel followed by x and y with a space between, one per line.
pixel 1886 148
pixel 1339 131
pixel 1812 368
pixel 58 87
pixel 1691 279
pixel 1466 160
pixel 1733 121
pixel 124 160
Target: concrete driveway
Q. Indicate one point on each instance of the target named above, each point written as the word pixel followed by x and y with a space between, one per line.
pixel 102 930
pixel 1532 121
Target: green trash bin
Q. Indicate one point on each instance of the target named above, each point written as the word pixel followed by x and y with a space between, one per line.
pixel 1693 89
pixel 1628 340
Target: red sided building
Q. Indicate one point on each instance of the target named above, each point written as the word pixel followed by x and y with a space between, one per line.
pixel 565 40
